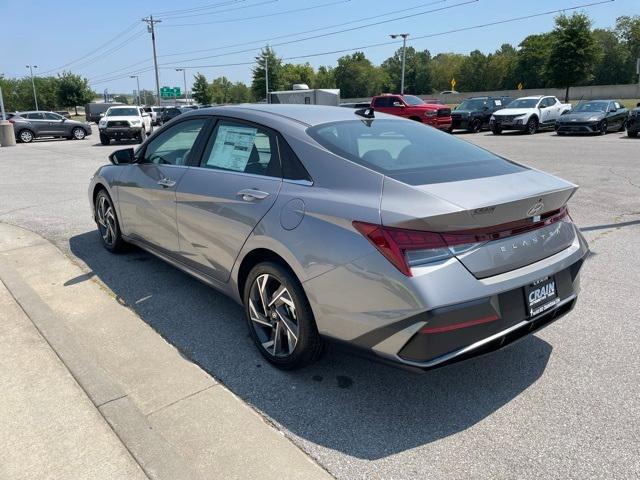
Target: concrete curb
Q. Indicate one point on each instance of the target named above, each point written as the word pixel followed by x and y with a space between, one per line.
pixel 175 420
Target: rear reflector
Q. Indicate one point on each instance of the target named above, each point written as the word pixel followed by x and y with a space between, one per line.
pixel 406 248
pixel 457 326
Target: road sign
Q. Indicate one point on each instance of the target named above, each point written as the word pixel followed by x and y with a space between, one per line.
pixel 170 92
pixel 520 86
pixel 453 84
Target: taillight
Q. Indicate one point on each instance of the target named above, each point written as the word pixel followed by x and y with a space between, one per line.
pixel 409 248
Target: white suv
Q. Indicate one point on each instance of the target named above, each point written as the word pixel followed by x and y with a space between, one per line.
pixel 528 114
pixel 124 122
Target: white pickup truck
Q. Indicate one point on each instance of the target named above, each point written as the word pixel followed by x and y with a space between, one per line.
pixel 124 122
pixel 528 114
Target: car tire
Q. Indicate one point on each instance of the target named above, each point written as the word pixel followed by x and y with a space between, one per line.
pixel 286 333
pixel 107 220
pixel 476 126
pixel 78 133
pixel 26 136
pixel 623 126
pixel 496 130
pixel 604 126
pixel 532 126
pixel 104 140
pixel 632 134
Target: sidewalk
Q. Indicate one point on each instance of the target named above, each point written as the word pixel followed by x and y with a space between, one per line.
pixel 119 391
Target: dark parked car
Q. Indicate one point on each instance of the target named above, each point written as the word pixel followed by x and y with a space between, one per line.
pixel 633 122
pixel 31 125
pixel 93 110
pixel 593 116
pixel 171 113
pixel 473 114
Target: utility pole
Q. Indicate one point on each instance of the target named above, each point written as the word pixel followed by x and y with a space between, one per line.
pixel 33 84
pixel 138 84
pixel 184 77
pixel 151 28
pixel 266 74
pixel 404 49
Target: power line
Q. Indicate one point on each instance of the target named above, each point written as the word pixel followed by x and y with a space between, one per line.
pixel 205 7
pixel 125 43
pixel 262 41
pixel 123 32
pixel 242 7
pixel 336 32
pixel 283 12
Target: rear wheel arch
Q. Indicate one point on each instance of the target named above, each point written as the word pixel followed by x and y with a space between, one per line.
pixel 253 258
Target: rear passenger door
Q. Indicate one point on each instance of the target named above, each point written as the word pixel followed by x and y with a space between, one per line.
pixel 38 123
pixel 222 199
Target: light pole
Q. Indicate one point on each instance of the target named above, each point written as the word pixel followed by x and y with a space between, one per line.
pixel 33 84
pixel 138 85
pixel 184 77
pixel 151 28
pixel 404 49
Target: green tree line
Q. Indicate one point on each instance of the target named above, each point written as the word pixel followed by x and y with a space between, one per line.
pixel 64 91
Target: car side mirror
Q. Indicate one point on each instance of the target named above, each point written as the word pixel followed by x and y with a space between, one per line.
pixel 398 104
pixel 613 109
pixel 122 157
pixel 101 115
pixel 638 104
pixel 542 106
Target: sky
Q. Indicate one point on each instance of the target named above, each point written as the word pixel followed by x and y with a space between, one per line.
pixel 107 42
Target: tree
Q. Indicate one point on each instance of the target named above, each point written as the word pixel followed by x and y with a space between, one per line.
pixel 573 52
pixel 501 68
pixel 291 74
pixel 417 76
pixel 73 90
pixel 201 91
pixel 443 68
pixel 357 77
pixel 121 99
pixel 221 90
pixel 628 32
pixel 472 76
pixel 240 93
pixel 532 58
pixel 325 78
pixel 613 59
pixel 258 85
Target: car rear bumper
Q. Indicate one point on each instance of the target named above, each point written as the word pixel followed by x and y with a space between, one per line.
pixel 443 313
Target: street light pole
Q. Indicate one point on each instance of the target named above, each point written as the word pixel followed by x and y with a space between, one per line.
pixel 266 74
pixel 33 84
pixel 404 49
pixel 184 77
pixel 151 27
pixel 138 85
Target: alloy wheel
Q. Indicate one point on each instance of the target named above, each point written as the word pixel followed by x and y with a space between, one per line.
pixel 106 220
pixel 78 133
pixel 26 136
pixel 273 316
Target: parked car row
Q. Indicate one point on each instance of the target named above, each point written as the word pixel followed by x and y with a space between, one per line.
pixel 527 114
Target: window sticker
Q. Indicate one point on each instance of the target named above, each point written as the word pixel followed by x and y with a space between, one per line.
pixel 498 102
pixel 232 147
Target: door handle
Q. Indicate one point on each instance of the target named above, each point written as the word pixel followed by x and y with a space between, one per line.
pixel 167 182
pixel 250 194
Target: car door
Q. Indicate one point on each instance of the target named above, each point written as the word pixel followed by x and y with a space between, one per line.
pixel 388 104
pixel 37 123
pixel 222 199
pixel 147 188
pixel 146 119
pixel 56 125
pixel 547 110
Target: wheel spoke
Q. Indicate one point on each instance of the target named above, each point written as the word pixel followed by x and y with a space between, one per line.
pixel 262 290
pixel 276 339
pixel 257 317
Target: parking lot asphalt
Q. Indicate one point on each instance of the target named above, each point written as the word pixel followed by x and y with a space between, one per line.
pixel 563 403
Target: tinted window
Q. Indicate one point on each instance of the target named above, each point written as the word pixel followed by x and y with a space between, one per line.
pixel 292 168
pixel 472 104
pixel 172 146
pixel 410 152
pixel 591 107
pixel 52 116
pixel 244 148
pixel 413 100
pixel 384 102
pixel 34 116
pixel 122 112
pixel 524 103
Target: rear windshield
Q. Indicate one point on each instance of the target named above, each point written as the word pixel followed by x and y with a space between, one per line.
pixel 410 152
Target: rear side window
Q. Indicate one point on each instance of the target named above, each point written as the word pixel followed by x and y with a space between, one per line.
pixel 292 168
pixel 34 116
pixel 410 152
pixel 384 102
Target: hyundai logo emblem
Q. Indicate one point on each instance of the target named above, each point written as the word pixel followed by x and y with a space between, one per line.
pixel 535 209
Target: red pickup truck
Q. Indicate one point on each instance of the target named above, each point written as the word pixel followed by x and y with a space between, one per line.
pixel 414 108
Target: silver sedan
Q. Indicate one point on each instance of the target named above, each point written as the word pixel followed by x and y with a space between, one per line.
pixel 328 223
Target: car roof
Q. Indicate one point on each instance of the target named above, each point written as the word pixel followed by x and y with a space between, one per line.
pixel 533 97
pixel 308 115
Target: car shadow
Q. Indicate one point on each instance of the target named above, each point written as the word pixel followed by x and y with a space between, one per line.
pixel 343 402
pixel 123 143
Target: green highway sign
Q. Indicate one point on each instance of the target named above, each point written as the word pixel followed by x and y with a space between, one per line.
pixel 170 92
